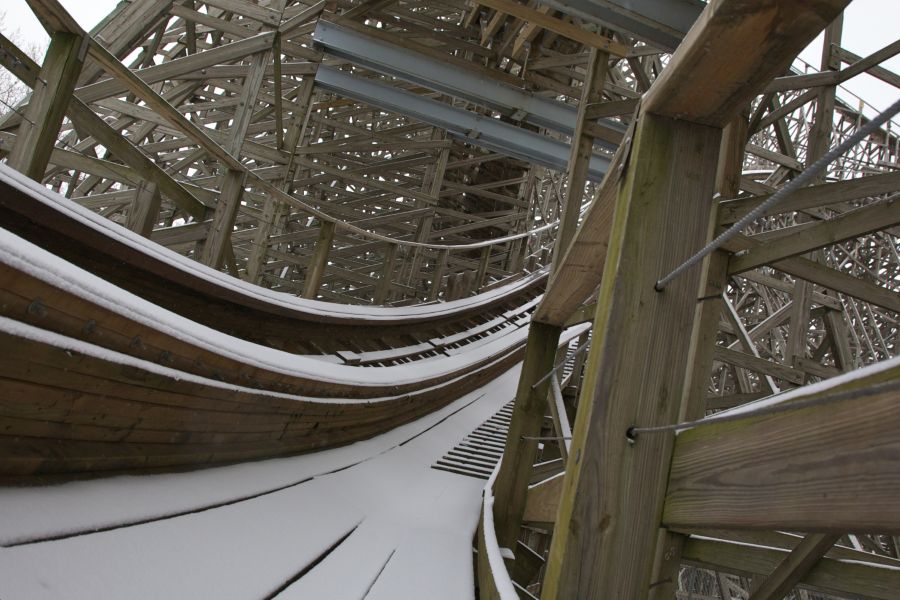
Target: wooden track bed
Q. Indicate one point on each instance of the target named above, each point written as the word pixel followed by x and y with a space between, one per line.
pixel 159 278
pixel 95 378
pixel 68 413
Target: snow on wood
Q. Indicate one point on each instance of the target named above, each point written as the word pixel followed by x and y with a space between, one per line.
pixel 410 527
pixel 281 299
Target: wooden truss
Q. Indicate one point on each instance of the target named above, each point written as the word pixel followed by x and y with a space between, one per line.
pixel 223 130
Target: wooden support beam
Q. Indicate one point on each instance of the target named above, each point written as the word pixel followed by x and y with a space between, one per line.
pixel 563 28
pixel 511 486
pixel 580 271
pixel 667 560
pixel 582 151
pixel 614 490
pixel 826 277
pixel 383 288
pixel 315 272
pixel 483 263
pixel 43 116
pixel 144 212
pixel 813 196
pixel 437 276
pixel 847 226
pixel 733 50
pixel 795 566
pixel 823 468
pixel 853 577
pixel 219 234
pixel 233 180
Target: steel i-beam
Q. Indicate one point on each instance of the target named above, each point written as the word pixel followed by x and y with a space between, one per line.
pixel 459 82
pixel 475 129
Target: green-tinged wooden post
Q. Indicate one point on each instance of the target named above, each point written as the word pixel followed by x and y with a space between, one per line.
pixel 608 521
pixel 714 273
pixel 531 402
pixel 315 272
pixel 530 407
pixel 582 150
pixel 44 114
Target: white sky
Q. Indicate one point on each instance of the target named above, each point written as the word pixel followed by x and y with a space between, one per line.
pixel 869 25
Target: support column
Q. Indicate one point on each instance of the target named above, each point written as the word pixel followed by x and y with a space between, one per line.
pixel 820 135
pixel 608 521
pixel 714 272
pixel 438 275
pixel 530 407
pixel 219 238
pixel 144 210
pixel 383 289
pixel 37 133
pixel 582 150
pixel 274 211
pixel 232 182
pixel 315 272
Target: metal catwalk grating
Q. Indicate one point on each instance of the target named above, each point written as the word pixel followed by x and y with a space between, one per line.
pixel 478 453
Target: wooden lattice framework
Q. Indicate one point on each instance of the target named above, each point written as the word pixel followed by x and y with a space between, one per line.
pixel 200 125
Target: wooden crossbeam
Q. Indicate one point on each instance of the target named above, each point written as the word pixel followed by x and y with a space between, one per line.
pixel 563 28
pixel 795 566
pixel 856 577
pixel 824 468
pixel 824 233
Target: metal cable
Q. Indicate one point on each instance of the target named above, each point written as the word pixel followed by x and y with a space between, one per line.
pixel 552 371
pixel 789 188
pixel 880 388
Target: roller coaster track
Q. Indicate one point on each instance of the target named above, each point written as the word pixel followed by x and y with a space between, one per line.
pixel 126 384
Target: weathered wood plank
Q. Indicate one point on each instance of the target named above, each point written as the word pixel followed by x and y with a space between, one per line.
pixel 613 490
pixel 825 468
pixel 39 129
pixel 831 575
pixel 734 48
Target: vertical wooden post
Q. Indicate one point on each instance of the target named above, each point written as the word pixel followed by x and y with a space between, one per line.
pixel 431 185
pixel 315 272
pixel 482 267
pixel 714 273
pixel 44 113
pixel 438 275
pixel 382 290
pixel 530 407
pixel 582 150
pixel 224 216
pixel 820 135
pixel 232 182
pixel 607 526
pixel 144 210
pixel 273 211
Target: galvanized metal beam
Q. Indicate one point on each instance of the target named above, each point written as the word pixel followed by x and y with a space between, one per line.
pixel 459 82
pixel 478 130
pixel 661 23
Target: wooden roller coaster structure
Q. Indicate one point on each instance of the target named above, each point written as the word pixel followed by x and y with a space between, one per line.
pixel 449 187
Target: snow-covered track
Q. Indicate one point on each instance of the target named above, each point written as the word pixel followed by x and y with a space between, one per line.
pixel 225 303
pixel 95 378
